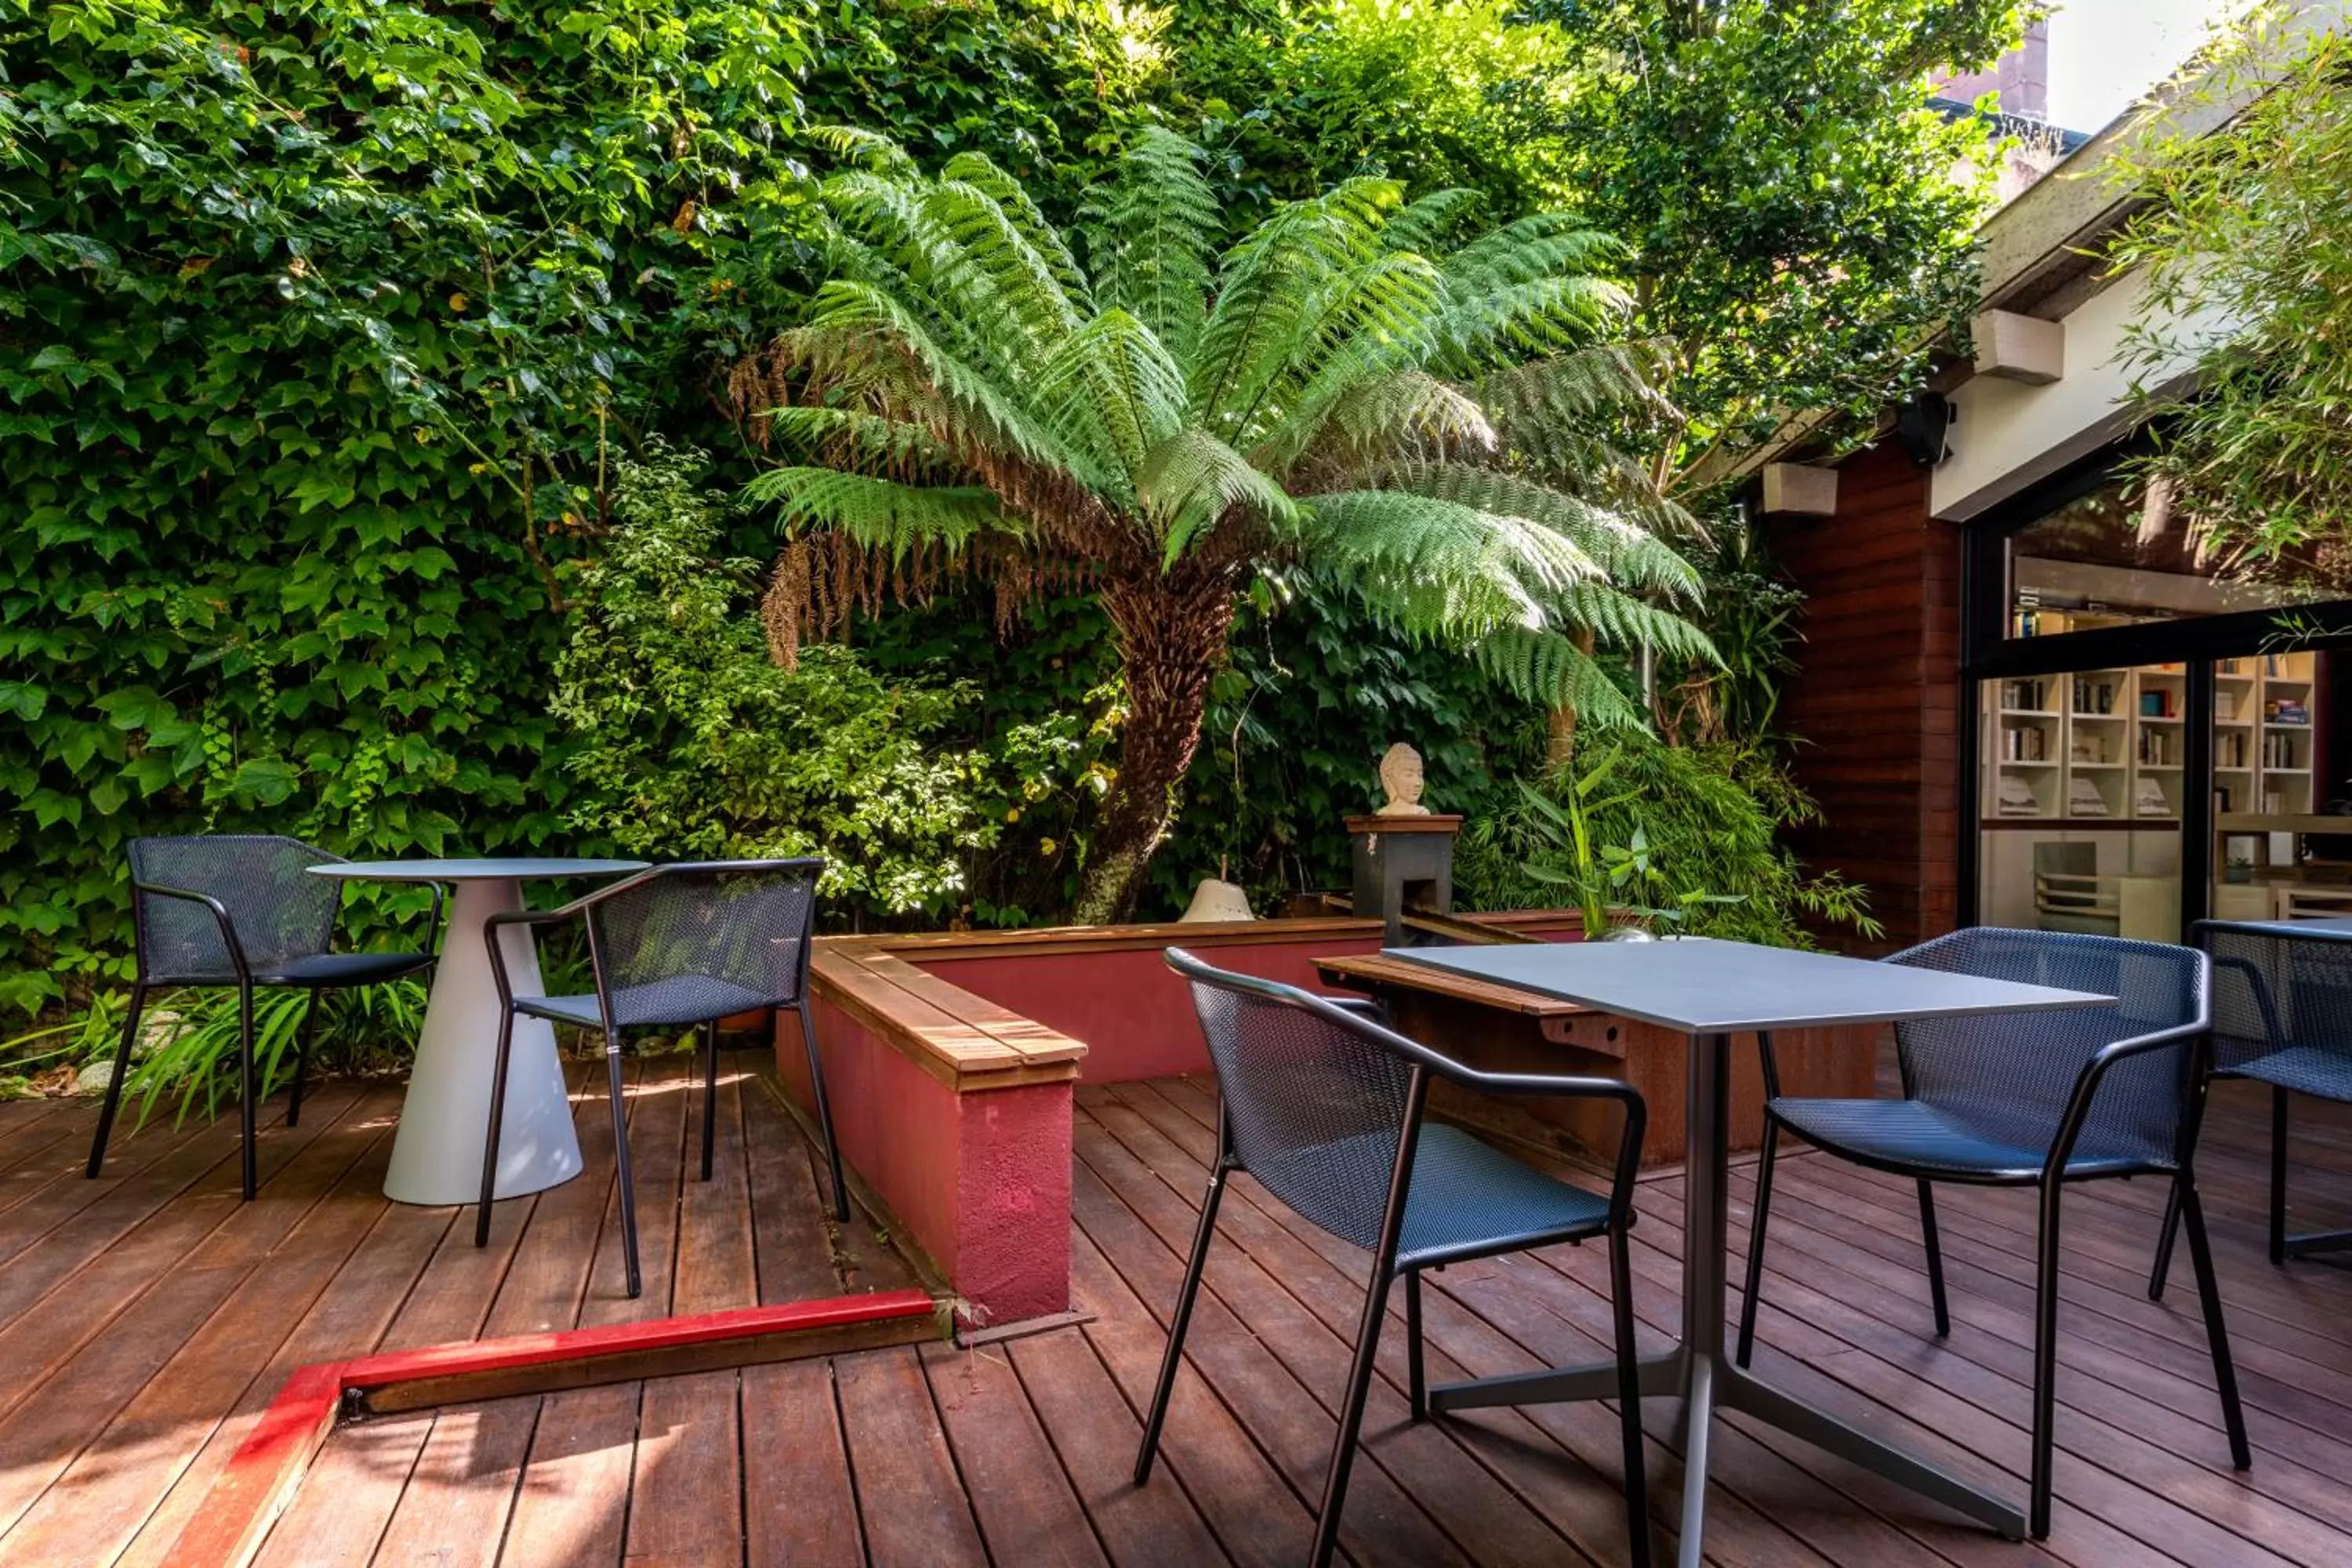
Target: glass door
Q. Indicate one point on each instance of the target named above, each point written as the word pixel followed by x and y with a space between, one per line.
pixel 2080 801
pixel 2282 852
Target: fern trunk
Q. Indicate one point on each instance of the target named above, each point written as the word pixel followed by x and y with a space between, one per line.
pixel 1170 632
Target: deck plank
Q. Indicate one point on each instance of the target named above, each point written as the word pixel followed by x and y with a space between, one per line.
pixel 799 1505
pixel 1027 1512
pixel 911 1500
pixel 109 1366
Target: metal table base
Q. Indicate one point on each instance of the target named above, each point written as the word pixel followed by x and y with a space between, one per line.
pixel 1699 1372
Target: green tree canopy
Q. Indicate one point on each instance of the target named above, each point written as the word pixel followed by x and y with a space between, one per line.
pixel 1798 219
pixel 2243 344
pixel 1356 383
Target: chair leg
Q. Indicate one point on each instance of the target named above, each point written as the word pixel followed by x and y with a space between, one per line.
pixel 2208 1292
pixel 1629 1392
pixel 499 1059
pixel 2162 1267
pixel 1746 1344
pixel 301 1059
pixel 711 1094
pixel 2045 1364
pixel 824 1111
pixel 621 1159
pixel 1935 1261
pixel 1415 1378
pixel 114 1084
pixel 1352 1418
pixel 246 1088
pixel 1177 1324
pixel 2278 1176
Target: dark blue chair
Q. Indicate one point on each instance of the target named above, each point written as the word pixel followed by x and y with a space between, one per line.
pixel 2282 1015
pixel 2039 1100
pixel 244 911
pixel 674 947
pixel 1325 1106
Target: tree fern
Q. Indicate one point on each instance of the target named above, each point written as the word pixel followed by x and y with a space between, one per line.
pixel 1437 425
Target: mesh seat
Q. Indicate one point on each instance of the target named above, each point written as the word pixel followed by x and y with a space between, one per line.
pixel 681 999
pixel 1909 1135
pixel 240 910
pixel 1321 1102
pixel 2042 1097
pixel 331 969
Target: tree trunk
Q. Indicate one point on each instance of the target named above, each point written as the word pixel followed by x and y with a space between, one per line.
pixel 1169 630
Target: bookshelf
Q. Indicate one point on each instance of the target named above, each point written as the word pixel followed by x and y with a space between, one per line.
pixel 2107 745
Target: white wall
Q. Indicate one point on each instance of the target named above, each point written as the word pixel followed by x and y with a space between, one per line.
pixel 2007 435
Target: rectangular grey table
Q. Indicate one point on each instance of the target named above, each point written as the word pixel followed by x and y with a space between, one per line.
pixel 1711 991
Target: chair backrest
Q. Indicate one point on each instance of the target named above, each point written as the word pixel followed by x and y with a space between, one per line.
pixel 2277 993
pixel 736 931
pixel 280 910
pixel 1314 1104
pixel 2010 1076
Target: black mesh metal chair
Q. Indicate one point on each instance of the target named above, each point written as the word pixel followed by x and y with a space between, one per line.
pixel 672 947
pixel 1324 1105
pixel 242 910
pixel 2282 1015
pixel 2037 1100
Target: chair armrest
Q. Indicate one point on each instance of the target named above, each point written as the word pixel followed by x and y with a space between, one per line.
pixel 2094 1073
pixel 220 914
pixel 497 923
pixel 1363 1006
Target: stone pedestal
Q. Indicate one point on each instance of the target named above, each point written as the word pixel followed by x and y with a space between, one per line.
pixel 1402 861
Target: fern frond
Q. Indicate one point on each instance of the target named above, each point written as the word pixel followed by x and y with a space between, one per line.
pixel 1150 230
pixel 1112 391
pixel 1427 223
pixel 880 514
pixel 1546 668
pixel 1191 481
pixel 1268 284
pixel 979 170
pixel 872 148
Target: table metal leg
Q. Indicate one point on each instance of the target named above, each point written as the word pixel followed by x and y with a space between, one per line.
pixel 1698 1371
pixel 1741 1392
pixel 437 1154
pixel 1662 1376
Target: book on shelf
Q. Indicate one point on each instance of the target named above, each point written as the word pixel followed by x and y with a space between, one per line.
pixel 2024 743
pixel 2015 798
pixel 2083 799
pixel 2285 710
pixel 2160 703
pixel 2027 696
pixel 2147 798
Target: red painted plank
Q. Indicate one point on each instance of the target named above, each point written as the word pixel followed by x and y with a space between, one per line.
pixel 262 1474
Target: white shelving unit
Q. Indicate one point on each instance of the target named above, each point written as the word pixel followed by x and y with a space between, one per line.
pixel 2107 745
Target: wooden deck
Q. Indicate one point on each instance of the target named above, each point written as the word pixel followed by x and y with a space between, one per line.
pixel 148 1317
pixel 1017 1453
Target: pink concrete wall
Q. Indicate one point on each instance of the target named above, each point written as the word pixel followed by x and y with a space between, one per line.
pixel 1126 1004
pixel 980 1181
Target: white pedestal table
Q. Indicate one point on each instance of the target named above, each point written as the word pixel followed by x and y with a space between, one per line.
pixel 1710 990
pixel 436 1153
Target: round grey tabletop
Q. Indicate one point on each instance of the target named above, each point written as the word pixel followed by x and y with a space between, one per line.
pixel 523 868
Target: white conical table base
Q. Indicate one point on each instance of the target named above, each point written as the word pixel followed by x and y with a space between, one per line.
pixel 437 1154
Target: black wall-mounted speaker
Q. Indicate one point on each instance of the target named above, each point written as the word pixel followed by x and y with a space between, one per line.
pixel 1924 426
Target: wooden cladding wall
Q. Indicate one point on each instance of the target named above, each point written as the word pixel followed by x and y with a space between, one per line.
pixel 1876 697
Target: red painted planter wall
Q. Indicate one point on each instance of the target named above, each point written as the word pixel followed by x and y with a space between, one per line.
pixel 1127 1006
pixel 981 1180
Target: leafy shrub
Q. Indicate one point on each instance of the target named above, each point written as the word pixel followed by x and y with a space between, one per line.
pixel 696 743
pixel 1704 819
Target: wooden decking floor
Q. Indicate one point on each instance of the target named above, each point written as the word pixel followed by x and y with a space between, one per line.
pixel 1018 1453
pixel 148 1317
